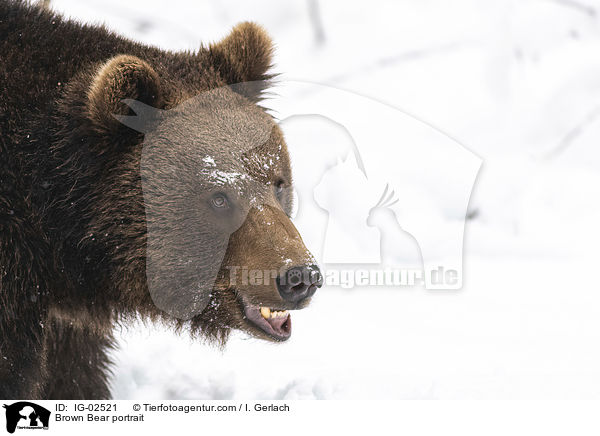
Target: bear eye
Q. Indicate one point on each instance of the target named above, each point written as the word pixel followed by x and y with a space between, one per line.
pixel 219 201
pixel 279 187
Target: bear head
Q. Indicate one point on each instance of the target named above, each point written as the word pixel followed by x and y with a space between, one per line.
pixel 195 193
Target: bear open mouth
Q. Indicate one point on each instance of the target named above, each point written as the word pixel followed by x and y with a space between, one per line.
pixel 275 323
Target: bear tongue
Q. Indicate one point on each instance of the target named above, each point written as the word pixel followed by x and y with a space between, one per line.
pixel 275 323
pixel 281 324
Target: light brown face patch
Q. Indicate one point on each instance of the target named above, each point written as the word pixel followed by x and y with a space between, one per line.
pixel 262 251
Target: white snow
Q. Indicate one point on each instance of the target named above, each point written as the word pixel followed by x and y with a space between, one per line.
pixel 220 177
pixel 515 81
pixel 209 161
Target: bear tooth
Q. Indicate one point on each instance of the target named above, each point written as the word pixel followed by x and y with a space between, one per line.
pixel 265 312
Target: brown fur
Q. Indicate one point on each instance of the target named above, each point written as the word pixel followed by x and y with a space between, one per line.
pixel 74 246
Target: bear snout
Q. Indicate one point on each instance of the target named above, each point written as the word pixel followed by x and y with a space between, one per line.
pixel 299 283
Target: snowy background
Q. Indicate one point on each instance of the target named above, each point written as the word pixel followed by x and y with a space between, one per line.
pixel 516 82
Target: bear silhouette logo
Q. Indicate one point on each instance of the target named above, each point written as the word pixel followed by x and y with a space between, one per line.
pixel 26 415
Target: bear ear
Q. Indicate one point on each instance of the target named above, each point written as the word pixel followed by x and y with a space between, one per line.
pixel 243 58
pixel 117 83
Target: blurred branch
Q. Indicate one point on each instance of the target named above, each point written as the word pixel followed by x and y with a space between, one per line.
pixel 573 134
pixel 317 23
pixel 45 4
pixel 389 61
pixel 589 10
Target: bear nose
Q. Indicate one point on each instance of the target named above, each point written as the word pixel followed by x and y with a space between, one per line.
pixel 299 283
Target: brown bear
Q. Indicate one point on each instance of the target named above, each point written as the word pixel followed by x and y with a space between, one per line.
pixel 135 182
